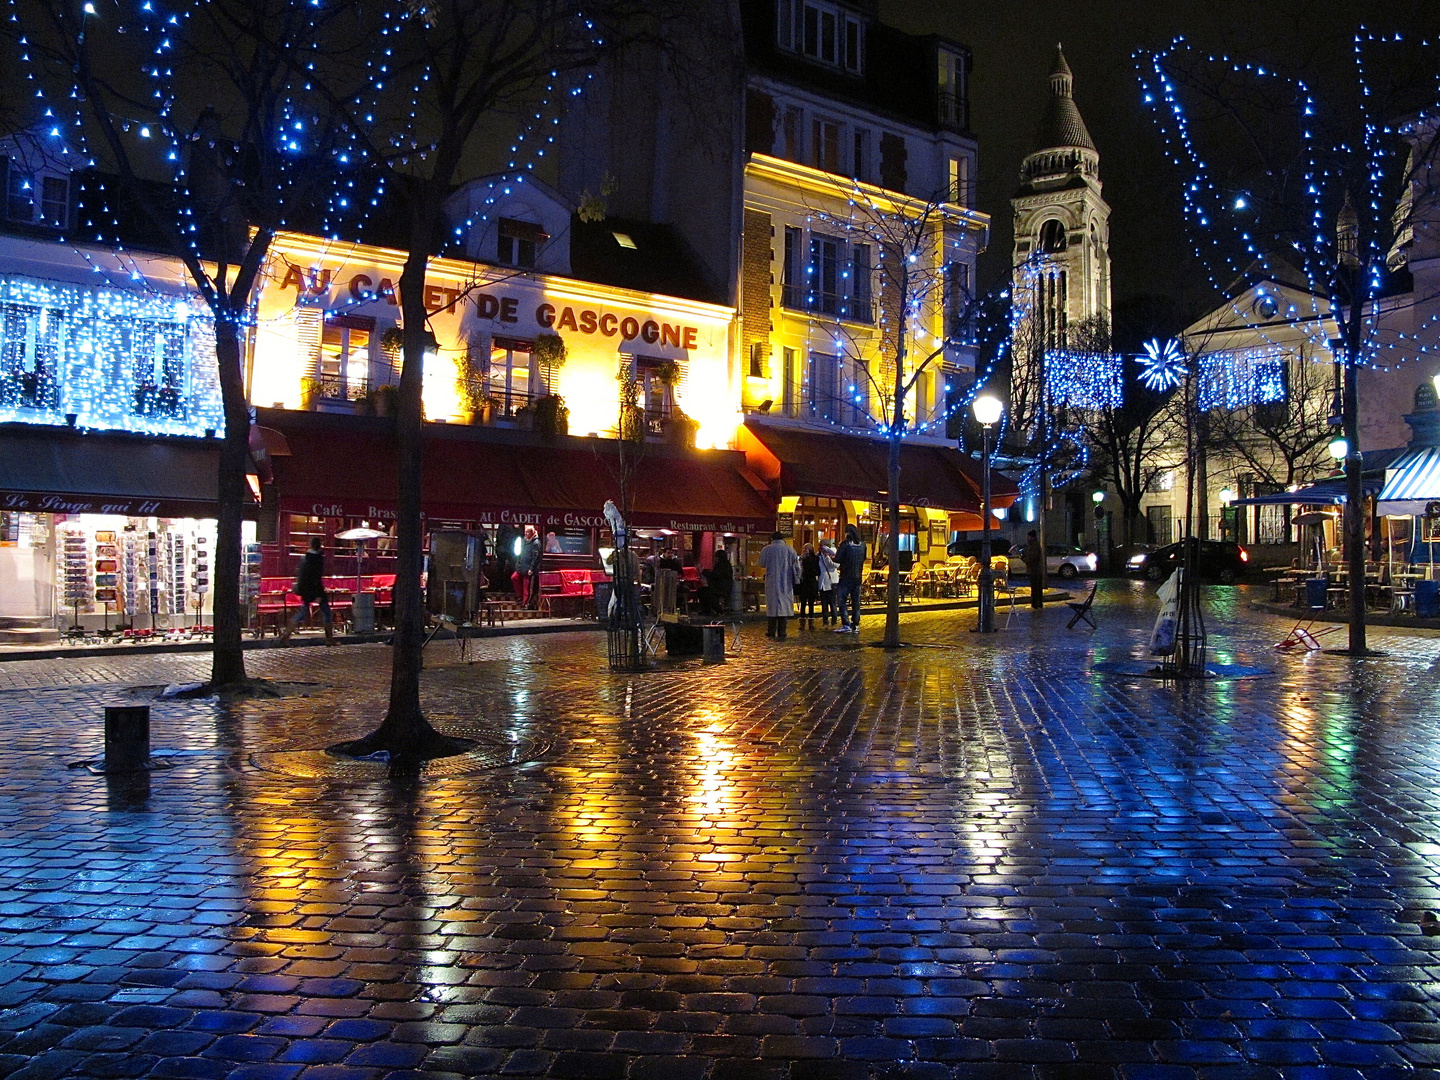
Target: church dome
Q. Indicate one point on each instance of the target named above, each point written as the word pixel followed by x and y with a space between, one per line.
pixel 1061 124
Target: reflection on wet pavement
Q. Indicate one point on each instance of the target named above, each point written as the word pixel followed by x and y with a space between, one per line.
pixel 984 858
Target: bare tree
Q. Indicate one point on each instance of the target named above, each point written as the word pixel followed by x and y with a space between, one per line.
pixel 1336 187
pixel 888 377
pixel 452 76
pixel 218 144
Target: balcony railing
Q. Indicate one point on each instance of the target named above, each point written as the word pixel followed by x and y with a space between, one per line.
pixel 837 304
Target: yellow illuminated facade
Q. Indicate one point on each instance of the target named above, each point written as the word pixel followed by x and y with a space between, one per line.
pixel 324 340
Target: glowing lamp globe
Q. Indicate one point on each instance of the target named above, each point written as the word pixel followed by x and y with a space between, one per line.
pixel 1338 449
pixel 987 409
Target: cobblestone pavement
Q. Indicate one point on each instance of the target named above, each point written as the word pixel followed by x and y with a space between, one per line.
pixel 975 858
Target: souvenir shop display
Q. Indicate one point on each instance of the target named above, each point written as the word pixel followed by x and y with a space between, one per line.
pixel 75 585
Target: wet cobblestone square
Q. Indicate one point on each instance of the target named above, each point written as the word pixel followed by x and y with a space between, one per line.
pixel 972 858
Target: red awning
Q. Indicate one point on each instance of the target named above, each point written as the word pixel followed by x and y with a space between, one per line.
pixel 335 473
pixel 842 466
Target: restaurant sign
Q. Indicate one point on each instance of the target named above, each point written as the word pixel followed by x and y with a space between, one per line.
pixel 493 517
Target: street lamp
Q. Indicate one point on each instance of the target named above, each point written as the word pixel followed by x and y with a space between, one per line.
pixel 1339 447
pixel 987 409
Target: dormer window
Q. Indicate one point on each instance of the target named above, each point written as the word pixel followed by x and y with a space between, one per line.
pixel 519 241
pixel 825 33
pixel 951 99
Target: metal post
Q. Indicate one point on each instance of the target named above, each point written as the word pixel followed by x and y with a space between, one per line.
pixel 987 577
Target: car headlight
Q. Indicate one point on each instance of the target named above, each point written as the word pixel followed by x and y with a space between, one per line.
pixel 1136 560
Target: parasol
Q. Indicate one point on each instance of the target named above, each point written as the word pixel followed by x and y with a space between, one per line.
pixel 360 534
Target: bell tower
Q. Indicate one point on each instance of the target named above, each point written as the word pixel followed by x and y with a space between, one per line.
pixel 1062 232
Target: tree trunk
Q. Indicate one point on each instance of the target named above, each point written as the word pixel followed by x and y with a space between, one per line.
pixel 897 433
pixel 892 581
pixel 227 661
pixel 405 732
pixel 1354 488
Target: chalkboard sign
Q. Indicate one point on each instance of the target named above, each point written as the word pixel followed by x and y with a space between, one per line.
pixel 785 524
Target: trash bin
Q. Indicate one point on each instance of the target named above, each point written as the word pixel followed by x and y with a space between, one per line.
pixel 1315 593
pixel 1427 599
pixel 714 643
pixel 362 613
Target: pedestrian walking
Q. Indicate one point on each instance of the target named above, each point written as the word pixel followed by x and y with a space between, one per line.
pixel 850 558
pixel 310 587
pixel 1035 568
pixel 782 570
pixel 829 572
pixel 807 590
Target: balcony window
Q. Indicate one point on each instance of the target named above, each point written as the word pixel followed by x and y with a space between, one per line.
pixel 344 367
pixel 837 279
pixel 825 141
pixel 513 377
pixel 950 109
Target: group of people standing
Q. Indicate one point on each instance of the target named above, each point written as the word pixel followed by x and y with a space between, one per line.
pixel 827 576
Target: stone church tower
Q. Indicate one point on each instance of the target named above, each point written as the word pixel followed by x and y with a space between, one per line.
pixel 1062 233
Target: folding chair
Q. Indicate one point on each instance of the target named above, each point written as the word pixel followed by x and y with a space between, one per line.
pixel 1081 608
pixel 1304 631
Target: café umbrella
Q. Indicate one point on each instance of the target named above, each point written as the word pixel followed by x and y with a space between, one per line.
pixel 360 534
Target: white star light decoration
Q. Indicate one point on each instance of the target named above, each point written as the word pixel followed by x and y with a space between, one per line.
pixel 1163 366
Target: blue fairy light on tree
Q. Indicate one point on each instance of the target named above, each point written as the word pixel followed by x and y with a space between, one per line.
pixel 1162 367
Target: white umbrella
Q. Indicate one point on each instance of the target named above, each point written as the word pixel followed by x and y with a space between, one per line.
pixel 360 534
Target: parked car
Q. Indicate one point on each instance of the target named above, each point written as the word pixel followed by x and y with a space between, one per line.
pixel 998 546
pixel 1066 561
pixel 1220 560
pixel 1133 558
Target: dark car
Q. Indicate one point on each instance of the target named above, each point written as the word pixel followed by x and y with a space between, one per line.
pixel 1220 560
pixel 998 546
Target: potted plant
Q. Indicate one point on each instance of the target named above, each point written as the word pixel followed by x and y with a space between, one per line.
pixel 550 350
pixel 683 428
pixel 551 415
pixel 632 416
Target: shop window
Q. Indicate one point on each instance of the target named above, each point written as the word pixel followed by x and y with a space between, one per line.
pixel 519 241
pixel 345 356
pixel 513 378
pixel 29 356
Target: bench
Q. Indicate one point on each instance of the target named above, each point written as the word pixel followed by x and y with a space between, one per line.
pixel 570 591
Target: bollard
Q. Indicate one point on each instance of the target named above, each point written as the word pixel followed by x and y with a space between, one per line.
pixel 127 737
pixel 714 648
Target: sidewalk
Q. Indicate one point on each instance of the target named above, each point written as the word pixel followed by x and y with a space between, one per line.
pixel 976 857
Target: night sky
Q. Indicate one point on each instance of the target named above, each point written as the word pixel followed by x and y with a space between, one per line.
pixel 1013 42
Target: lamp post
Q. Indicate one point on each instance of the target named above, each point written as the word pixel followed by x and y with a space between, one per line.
pixel 987 409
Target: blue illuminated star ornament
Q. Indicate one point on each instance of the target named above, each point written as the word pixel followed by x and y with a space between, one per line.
pixel 1163 365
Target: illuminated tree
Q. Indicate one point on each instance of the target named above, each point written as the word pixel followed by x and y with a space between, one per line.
pixel 1273 176
pixel 892 377
pixel 207 112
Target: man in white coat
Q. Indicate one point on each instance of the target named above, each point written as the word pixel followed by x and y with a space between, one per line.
pixel 782 570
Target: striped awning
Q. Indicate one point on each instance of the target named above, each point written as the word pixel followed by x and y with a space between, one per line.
pixel 1327 492
pixel 1412 482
